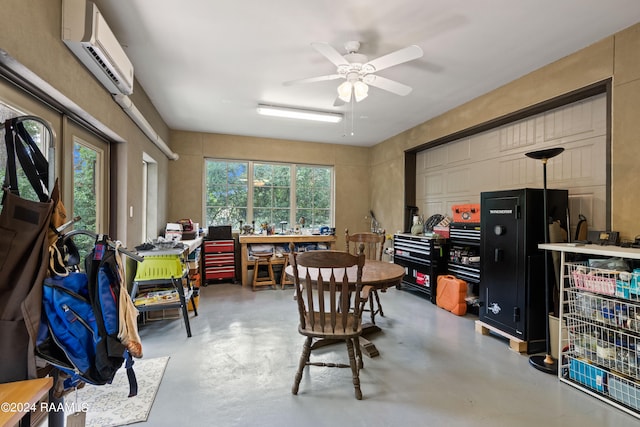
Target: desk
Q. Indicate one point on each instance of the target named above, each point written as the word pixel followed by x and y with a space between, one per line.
pixel 21 393
pixel 276 240
pixel 379 274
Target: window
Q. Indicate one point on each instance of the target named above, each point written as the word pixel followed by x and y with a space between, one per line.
pixel 227 191
pixel 313 194
pixel 40 136
pixel 87 191
pixel 85 200
pixel 149 198
pixel 271 193
pixel 274 193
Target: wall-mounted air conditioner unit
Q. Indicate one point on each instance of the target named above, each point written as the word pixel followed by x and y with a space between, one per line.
pixel 87 34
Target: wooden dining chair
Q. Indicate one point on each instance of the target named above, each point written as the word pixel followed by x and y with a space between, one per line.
pixel 373 249
pixel 284 280
pixel 328 307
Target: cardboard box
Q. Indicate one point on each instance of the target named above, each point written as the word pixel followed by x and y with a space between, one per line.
pixel 196 299
pixel 166 314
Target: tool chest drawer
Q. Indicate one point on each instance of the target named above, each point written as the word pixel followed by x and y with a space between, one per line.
pixel 218 273
pixel 212 246
pixel 218 259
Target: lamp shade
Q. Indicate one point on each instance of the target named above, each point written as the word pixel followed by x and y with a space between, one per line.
pixel 546 154
pixel 344 91
pixel 357 88
pixel 360 90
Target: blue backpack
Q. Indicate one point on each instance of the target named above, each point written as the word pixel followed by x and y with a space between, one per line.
pixel 79 329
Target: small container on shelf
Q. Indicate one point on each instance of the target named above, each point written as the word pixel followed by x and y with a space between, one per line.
pixel 587 374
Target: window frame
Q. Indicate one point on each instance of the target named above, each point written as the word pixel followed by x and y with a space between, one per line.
pixel 293 207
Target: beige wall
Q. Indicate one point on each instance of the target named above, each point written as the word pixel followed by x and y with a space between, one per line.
pixel 31 34
pixel 351 166
pixel 616 57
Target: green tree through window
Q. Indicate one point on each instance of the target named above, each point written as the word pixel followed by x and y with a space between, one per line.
pixel 227 192
pixel 84 194
pixel 313 194
pixel 39 136
pixel 271 193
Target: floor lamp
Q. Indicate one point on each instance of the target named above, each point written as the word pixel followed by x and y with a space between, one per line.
pixel 545 363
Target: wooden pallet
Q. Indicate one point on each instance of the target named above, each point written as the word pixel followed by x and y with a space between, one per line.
pixel 515 344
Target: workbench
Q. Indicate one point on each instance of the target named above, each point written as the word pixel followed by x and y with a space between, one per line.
pixel 280 243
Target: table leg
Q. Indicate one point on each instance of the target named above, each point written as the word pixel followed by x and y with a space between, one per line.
pixel 367 346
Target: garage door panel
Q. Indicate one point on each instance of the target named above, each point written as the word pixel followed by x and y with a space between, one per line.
pixel 459 171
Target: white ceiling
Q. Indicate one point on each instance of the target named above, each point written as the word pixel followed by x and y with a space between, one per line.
pixel 206 64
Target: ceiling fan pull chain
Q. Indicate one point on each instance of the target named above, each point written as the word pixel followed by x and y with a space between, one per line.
pixel 353 107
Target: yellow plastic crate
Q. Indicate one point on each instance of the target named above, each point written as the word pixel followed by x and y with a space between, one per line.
pixel 159 267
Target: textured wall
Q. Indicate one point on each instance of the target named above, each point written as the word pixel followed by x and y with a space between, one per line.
pixel 351 166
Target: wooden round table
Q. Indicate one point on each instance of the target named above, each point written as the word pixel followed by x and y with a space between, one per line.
pixel 380 274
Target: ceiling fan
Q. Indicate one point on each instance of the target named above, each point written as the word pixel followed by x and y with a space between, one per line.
pixel 359 72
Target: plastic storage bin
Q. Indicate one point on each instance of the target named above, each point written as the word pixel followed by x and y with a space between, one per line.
pixel 589 375
pixel 159 267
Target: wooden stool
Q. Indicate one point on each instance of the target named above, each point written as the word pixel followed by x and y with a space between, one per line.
pixel 283 278
pixel 263 259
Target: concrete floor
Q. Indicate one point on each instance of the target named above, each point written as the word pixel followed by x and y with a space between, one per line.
pixel 433 370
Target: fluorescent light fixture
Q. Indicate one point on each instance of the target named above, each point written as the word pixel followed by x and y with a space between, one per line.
pixel 295 113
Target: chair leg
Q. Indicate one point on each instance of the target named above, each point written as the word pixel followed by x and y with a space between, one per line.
pixel 354 369
pixel 356 344
pixel 304 358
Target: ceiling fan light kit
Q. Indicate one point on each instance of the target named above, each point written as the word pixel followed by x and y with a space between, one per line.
pixel 296 113
pixel 359 89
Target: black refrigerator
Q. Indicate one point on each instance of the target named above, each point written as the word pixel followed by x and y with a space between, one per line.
pixel 512 294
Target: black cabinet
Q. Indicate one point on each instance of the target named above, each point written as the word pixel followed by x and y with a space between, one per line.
pixel 512 290
pixel 464 257
pixel 423 259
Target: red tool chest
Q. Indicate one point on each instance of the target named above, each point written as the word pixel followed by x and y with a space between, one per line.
pixel 219 261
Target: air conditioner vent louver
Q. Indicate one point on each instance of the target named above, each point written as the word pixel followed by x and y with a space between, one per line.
pixel 87 35
pixel 103 65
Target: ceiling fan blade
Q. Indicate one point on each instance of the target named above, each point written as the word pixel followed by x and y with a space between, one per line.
pixel 330 53
pixel 387 84
pixel 409 53
pixel 338 102
pixel 313 79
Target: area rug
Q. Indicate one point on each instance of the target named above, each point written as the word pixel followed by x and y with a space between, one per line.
pixel 108 405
